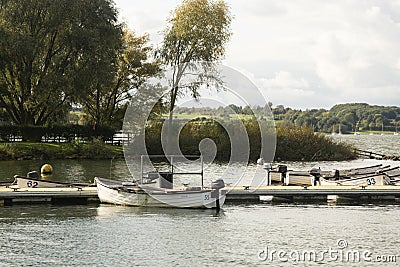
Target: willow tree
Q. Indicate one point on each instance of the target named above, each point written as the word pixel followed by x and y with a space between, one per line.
pixel 194 41
pixel 50 52
pixel 106 100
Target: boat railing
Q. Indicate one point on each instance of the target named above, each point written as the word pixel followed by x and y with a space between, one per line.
pixel 168 175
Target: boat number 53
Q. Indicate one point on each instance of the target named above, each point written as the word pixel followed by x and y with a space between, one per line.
pixel 32 184
pixel 371 181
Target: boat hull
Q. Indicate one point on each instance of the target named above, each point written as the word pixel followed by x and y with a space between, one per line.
pixel 364 181
pixel 153 197
pixel 26 182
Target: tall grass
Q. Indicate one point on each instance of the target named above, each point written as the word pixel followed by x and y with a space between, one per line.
pixel 293 143
pixel 302 144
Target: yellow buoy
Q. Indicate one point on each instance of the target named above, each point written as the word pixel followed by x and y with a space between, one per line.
pixel 46 169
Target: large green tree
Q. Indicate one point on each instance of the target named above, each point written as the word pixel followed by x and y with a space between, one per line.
pixel 195 41
pixel 106 101
pixel 51 52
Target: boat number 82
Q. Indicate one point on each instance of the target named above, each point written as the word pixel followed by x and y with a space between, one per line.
pixel 371 181
pixel 32 184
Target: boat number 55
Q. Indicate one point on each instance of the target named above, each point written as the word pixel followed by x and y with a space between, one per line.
pixel 206 197
pixel 371 181
pixel 32 184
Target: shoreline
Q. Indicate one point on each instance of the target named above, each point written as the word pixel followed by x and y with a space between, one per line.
pixel 50 151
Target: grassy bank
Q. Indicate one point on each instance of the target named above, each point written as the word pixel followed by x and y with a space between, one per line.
pixel 27 151
pixel 293 144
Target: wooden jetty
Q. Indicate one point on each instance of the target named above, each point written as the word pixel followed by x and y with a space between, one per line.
pixel 68 195
pixel 238 194
pixel 367 194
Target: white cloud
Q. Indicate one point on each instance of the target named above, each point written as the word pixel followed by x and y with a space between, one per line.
pixel 284 79
pixel 363 53
pixel 305 53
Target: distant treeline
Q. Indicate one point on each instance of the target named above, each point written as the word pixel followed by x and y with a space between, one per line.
pixel 351 117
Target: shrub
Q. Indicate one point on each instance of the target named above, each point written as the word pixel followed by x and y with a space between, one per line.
pixel 293 143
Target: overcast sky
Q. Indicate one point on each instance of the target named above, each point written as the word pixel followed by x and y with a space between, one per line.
pixel 303 53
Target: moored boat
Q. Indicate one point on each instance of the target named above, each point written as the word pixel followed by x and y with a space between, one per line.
pixel 131 194
pixel 370 180
pixel 165 194
pixel 30 182
pixel 370 175
pixel 363 171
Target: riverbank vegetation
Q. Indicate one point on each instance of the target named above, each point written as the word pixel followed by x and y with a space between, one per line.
pixel 293 144
pixel 96 149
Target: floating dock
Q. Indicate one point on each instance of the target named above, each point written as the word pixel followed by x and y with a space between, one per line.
pixel 318 194
pixel 238 194
pixel 65 195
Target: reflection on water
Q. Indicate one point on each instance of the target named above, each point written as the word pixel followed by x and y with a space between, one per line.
pixel 106 235
pixel 68 170
pixel 105 211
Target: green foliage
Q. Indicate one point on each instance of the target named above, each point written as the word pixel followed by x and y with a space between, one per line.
pixel 45 151
pixel 351 117
pixel 198 32
pixel 68 132
pixel 52 52
pixel 293 143
pixel 106 102
pixel 364 117
pixel 301 143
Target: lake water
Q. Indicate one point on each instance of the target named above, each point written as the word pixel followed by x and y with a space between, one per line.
pixel 240 235
pixel 387 144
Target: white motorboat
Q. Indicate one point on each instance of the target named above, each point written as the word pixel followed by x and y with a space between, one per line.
pixel 164 195
pixel 131 194
pixel 32 180
pixel 371 180
pixel 370 175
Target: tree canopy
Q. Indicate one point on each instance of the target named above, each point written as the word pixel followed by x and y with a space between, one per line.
pixel 198 32
pixel 52 52
pixel 352 116
pixel 106 101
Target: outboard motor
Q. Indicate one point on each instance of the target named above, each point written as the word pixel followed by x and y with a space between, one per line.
pixel 336 175
pixel 267 166
pixel 316 172
pixel 216 186
pixel 33 175
pixel 283 170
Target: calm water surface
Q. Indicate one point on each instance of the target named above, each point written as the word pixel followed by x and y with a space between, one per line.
pixel 387 144
pixel 107 235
